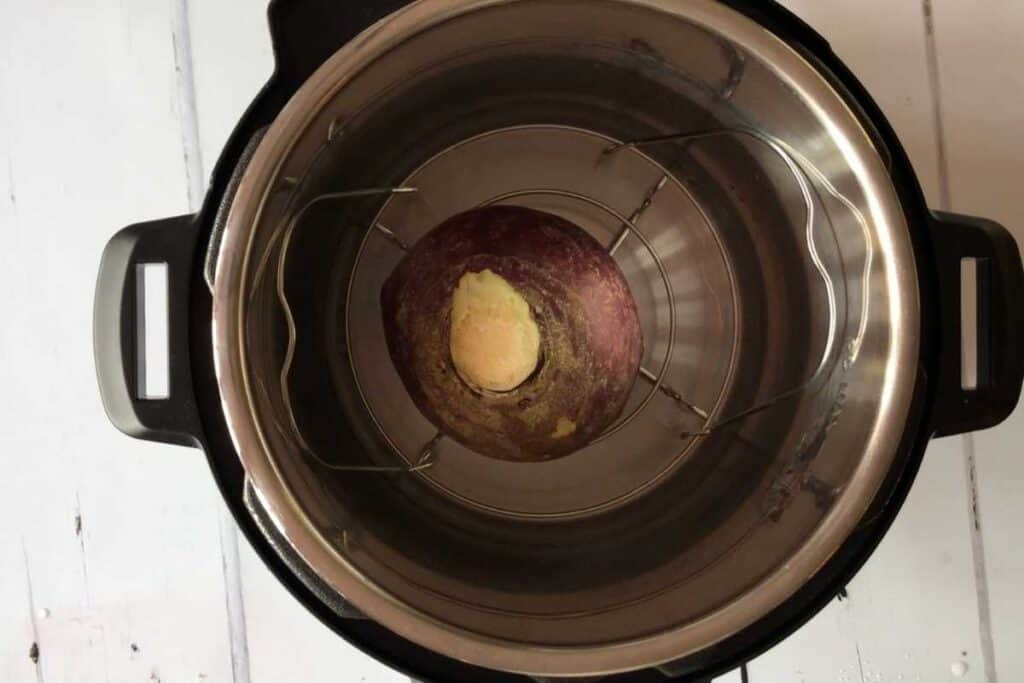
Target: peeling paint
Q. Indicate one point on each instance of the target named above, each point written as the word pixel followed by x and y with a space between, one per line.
pixel 33 652
pixel 11 193
pixel 81 547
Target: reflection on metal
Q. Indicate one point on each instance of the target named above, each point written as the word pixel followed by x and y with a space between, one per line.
pixel 391 236
pixel 334 129
pixel 737 67
pixel 648 200
pixel 797 477
pixel 802 171
pixel 674 395
pixel 289 227
pixel 271 529
pixel 426 455
pixel 800 167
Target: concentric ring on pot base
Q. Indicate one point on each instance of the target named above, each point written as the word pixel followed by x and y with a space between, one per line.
pixel 564 171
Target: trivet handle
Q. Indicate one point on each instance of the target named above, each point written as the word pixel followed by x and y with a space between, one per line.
pixel 155 406
pixel 986 253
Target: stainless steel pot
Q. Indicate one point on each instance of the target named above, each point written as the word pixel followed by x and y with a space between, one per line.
pixel 784 271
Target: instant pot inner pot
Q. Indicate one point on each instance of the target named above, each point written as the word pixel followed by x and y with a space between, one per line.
pixel 731 450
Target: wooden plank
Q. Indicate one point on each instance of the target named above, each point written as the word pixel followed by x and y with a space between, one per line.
pixel 912 613
pixel 979 58
pixel 118 539
pixel 19 631
pixel 232 59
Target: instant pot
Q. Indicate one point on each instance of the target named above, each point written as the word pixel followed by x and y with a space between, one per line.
pixel 808 325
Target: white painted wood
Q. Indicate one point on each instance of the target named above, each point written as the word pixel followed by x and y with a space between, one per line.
pixel 980 60
pixel 912 613
pixel 232 59
pixel 18 627
pixel 118 538
pixel 731 677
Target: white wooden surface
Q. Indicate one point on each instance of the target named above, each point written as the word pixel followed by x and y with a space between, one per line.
pixel 982 104
pixel 113 111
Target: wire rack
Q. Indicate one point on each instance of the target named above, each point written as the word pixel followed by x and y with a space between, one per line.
pixel 807 178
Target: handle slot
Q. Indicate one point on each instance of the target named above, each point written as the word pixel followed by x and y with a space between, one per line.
pixel 152 339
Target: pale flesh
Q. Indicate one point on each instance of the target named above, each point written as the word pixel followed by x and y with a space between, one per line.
pixel 495 341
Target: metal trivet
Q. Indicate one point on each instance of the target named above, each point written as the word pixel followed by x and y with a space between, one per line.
pixel 797 164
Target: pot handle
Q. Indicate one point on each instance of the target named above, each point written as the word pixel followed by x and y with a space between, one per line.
pixel 142 264
pixel 978 388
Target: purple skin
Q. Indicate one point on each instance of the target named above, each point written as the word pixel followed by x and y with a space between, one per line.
pixel 591 342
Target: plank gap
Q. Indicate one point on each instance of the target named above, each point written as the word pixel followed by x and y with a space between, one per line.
pixel 988 650
pixel 966 441
pixel 935 87
pixel 188 111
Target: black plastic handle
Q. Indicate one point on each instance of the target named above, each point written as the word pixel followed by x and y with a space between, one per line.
pixel 116 338
pixel 305 33
pixel 1000 320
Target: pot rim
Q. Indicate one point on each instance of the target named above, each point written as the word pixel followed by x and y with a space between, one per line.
pixel 233 262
